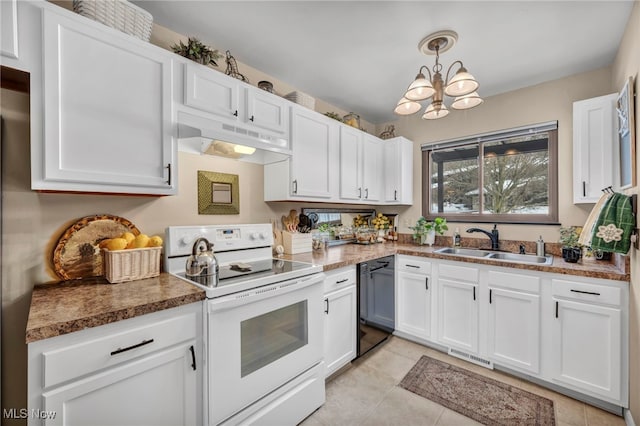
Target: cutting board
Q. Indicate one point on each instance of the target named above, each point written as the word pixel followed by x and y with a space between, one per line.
pixel 77 254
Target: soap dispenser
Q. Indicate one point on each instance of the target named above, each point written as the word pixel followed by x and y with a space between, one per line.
pixel 540 246
pixel 456 238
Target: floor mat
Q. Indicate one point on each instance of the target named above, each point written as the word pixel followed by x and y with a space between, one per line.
pixel 483 399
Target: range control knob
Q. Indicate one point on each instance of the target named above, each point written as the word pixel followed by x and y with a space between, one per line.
pixel 254 235
pixel 188 240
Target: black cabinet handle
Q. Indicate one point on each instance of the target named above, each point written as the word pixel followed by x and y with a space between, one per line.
pixel 360 192
pixel 366 193
pixel 586 292
pixel 426 282
pixel 193 357
pixel 474 293
pixel 556 309
pixel 490 294
pixel 251 118
pixel 168 174
pixel 342 281
pixel 412 266
pixel 235 113
pixel 295 186
pixel 395 195
pixel 326 303
pixel 120 350
pixel 584 188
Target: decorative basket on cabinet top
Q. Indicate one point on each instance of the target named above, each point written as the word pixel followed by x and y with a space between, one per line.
pixel 118 14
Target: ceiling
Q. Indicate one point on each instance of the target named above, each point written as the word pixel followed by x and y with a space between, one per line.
pixel 361 55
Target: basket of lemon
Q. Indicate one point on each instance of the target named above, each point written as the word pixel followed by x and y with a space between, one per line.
pixel 130 257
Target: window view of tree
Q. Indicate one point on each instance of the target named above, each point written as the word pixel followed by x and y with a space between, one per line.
pixel 507 178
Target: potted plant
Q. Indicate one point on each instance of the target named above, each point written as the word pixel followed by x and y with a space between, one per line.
pixel 571 248
pixel 425 231
pixel 197 52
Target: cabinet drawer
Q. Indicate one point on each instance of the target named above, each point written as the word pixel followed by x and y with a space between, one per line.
pixel 412 264
pixel 586 292
pixel 339 278
pixel 511 281
pixel 459 272
pixel 129 341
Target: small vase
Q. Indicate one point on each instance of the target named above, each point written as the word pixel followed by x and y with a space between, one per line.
pixel 571 254
pixel 429 238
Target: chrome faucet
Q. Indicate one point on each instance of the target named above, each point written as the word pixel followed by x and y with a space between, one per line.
pixel 493 236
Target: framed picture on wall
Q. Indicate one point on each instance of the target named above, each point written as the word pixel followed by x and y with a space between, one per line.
pixel 626 135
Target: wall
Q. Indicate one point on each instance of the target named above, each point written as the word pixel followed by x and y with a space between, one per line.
pixel 627 64
pixel 536 104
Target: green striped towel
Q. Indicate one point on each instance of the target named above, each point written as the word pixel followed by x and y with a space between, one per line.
pixel 612 231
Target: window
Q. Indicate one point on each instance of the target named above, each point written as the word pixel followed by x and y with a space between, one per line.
pixel 508 177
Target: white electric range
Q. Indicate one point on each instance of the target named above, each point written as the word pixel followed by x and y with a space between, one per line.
pixel 264 326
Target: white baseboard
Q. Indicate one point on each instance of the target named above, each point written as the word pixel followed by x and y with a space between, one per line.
pixel 628 418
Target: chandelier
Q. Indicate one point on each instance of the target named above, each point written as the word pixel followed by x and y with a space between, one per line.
pixel 462 85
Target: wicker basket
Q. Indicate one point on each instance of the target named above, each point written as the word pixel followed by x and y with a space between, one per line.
pixel 301 99
pixel 118 14
pixel 132 264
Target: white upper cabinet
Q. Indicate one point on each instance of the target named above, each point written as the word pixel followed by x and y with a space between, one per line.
pixel 211 91
pixel 372 169
pixel 266 110
pixel 398 171
pixel 107 112
pixel 312 171
pixel 350 163
pixel 595 164
pixel 9 29
pixel 360 166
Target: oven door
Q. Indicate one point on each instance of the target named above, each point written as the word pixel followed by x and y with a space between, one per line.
pixel 259 340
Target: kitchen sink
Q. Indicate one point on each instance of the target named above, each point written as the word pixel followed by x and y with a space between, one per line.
pixel 523 258
pixel 463 252
pixel 500 256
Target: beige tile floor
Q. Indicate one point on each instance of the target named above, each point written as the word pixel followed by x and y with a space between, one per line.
pixel 367 394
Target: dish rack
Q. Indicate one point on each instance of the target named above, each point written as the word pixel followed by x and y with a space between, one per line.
pixel 301 99
pixel 118 14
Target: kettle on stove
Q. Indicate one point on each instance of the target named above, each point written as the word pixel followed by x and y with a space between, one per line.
pixel 202 265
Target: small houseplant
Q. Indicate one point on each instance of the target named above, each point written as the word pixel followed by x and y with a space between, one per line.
pixel 571 247
pixel 425 231
pixel 197 52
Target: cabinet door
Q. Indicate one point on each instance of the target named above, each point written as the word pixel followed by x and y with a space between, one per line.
pixel 458 315
pixel 107 112
pixel 340 327
pixel 514 329
pixel 211 91
pixel 414 304
pixel 372 171
pixel 350 163
pixel 398 171
pixel 9 29
pixel 594 162
pixel 158 389
pixel 313 139
pixel 587 347
pixel 266 110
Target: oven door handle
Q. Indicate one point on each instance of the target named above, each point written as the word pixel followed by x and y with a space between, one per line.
pixel 261 293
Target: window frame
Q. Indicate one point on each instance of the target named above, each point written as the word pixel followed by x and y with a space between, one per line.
pixel 548 219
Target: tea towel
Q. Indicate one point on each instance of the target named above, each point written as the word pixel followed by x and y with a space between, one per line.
pixel 589 225
pixel 612 231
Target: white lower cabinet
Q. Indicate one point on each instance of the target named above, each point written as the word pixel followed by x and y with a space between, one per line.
pixel 340 324
pixel 140 371
pixel 514 320
pixel 458 307
pixel 568 331
pixel 414 287
pixel 589 338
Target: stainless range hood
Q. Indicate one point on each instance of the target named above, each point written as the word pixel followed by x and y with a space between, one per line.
pixel 201 135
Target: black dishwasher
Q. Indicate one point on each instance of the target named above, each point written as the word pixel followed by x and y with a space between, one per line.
pixel 376 302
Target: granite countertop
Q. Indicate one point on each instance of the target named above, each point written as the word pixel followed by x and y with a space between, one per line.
pixel 70 306
pixel 351 254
